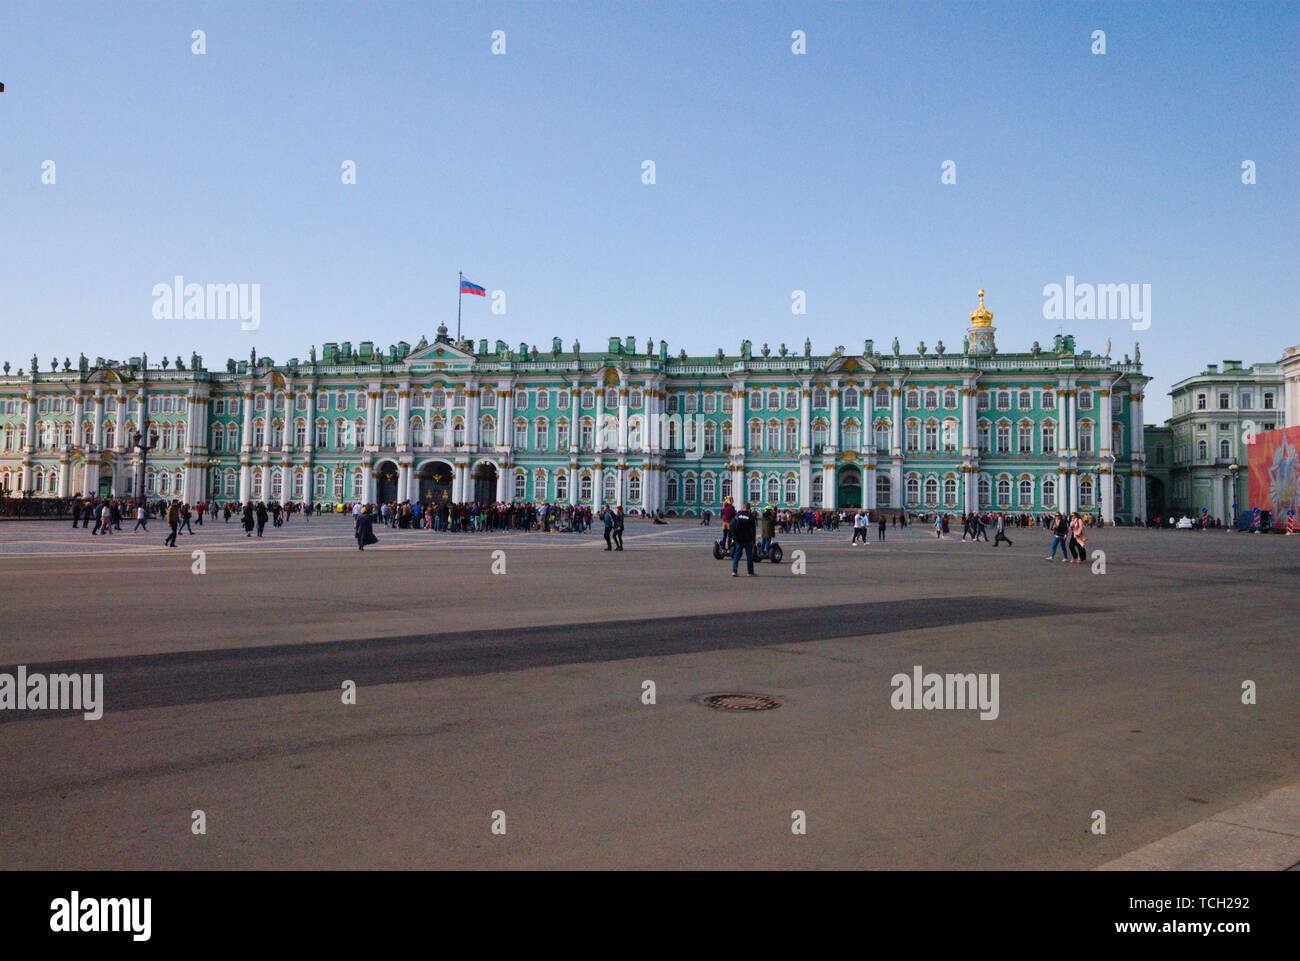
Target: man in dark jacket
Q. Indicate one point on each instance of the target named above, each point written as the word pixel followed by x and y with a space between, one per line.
pixel 261 517
pixel 608 518
pixel 742 537
pixel 365 529
pixel 618 530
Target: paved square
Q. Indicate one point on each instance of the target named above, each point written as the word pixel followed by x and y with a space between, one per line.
pixel 522 692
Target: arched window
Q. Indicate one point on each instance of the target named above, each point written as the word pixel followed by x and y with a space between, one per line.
pixel 1048 435
pixel 672 488
pixel 437 398
pixel 708 488
pixel 950 398
pixel 1025 437
pixel 521 485
pixel 1202 450
pixel 1004 493
pixel 931 399
pixel 319 481
pixel 1225 449
pixel 277 433
pixel 912 399
pixel 1026 400
pixel 562 485
pixel 882 435
pixel 300 433
pixel 611 487
pixel 1004 400
pixel 259 433
pixel 912 431
pixel 913 490
pixel 850 398
pixel 488 431
pixel 820 398
pixel 417 431
pixel 542 430
pixel 852 436
pixel 1085 492
pixel 710 437
pixel 1049 492
pixel 985 492
pixel 931 437
pixel 791 490
pixel 338 484
pixel 689 489
pixel 166 437
pixel 277 484
pixel 1085 437
pixel 773 400
pixel 950 491
pixel 588 431
pixel 773 436
pixel 882 397
pixel 820 432
pixel 931 491
pixel 584 487
pixel 458 432
pixel 437 432
pixel 726 486
pixel 1026 492
pixel 950 435
pixel 1117 439
pixel 883 490
pixel 232 437
pixel 754 488
pixel 389 431
pixel 562 439
pixel 774 490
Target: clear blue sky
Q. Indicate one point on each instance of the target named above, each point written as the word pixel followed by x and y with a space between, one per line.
pixel 775 172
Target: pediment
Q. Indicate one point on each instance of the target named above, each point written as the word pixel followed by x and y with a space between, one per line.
pixel 438 356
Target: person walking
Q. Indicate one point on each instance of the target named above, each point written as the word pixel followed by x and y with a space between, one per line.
pixel 174 522
pixel 185 518
pixel 618 530
pixel 1060 529
pixel 140 519
pixel 261 518
pixel 248 519
pixel 880 527
pixel 1078 539
pixel 365 529
pixel 743 529
pixel 859 528
pixel 1001 529
pixel 607 517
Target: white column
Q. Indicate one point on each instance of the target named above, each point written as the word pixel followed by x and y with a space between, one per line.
pixel 835 414
pixel 598 434
pixel 404 417
pixel 805 418
pixel 1103 429
pixel 575 428
pixel 79 415
pixel 403 483
pixel 1061 443
pixel 503 475
pixel 828 486
pixel 869 488
pixel 622 419
pixel 471 415
pixel 868 422
pixel 1106 490
pixel 738 401
pixel 99 419
pixel 1062 490
pixel 65 474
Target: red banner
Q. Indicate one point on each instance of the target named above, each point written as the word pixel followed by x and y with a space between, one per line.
pixel 1274 473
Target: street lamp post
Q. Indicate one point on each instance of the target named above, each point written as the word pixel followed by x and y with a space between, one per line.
pixel 141 443
pixel 1232 469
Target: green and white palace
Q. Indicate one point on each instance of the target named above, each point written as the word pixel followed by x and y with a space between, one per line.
pixel 630 425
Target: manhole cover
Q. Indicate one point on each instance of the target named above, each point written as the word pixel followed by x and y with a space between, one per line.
pixel 740 702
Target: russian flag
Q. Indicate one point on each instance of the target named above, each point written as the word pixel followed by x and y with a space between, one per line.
pixel 467 288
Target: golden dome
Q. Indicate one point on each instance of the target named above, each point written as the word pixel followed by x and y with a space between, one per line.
pixel 981 316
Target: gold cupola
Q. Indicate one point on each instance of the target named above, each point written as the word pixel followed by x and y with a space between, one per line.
pixel 981 316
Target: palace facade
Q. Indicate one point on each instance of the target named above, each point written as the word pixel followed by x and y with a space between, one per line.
pixel 1045 429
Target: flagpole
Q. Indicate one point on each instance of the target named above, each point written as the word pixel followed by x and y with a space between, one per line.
pixel 458 296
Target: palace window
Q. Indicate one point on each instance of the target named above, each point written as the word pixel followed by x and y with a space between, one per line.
pixel 755 400
pixel 950 491
pixel 1026 400
pixel 417 431
pixel 850 398
pixel 259 433
pixel 458 433
pixel 300 433
pixel 1049 492
pixel 673 403
pixel 726 485
pixel 587 433
pixel 672 488
pixel 562 485
pixel 1117 439
pixel 358 484
pixel 1268 400
pixel 634 487
pixel 1225 400
pixel 1026 492
pixel 985 492
pixel 882 490
pixel 773 400
pixel 913 433
pixel 852 436
pixel 1085 437
pixel 543 433
pixel 1004 493
pixel 755 435
pixel 931 399
pixel 792 436
pixel 1085 492
pixel 611 398
pixel 1004 400
pixel 277 485
pixel 688 487
pixel 755 488
pixel 931 491
pixel 913 399
pixel 277 434
pixel 1026 438
pixel 882 435
pixel 913 490
pixel 931 437
pixel 819 436
pixel 1049 437
pixel 338 485
pixel 692 403
pixel 1202 450
pixel 710 437
pixel 458 398
pixel 543 400
pixel 726 401
pixel 588 398
pixel 982 400
pixel 707 489
pixel 584 487
pixel 773 436
pixel 487 432
pixel 1200 402
pixel 318 484
pixel 1049 400
pixel 773 489
pixel 562 434
pixel 882 397
pixel 521 485
pixel 1004 438
pixel 1085 400
pixel 359 435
